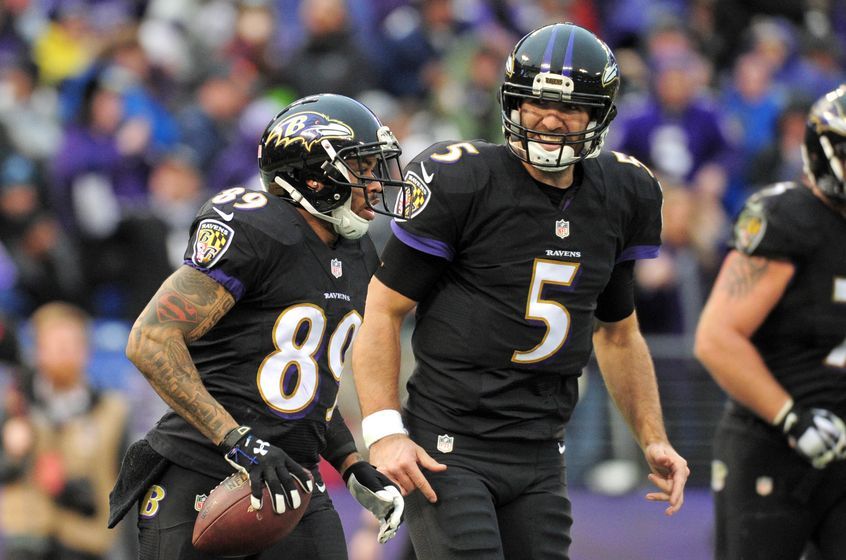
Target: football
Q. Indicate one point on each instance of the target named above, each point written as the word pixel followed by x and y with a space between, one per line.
pixel 227 524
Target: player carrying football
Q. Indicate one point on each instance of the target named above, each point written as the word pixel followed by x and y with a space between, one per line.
pixel 246 342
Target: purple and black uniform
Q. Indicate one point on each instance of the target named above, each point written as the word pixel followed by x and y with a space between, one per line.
pixel 503 333
pixel 513 313
pixel 274 361
pixel 758 480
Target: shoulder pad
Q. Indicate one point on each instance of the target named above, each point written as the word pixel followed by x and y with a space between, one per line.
pixel 447 168
pixel 627 165
pixel 776 222
pixel 241 208
pixel 622 171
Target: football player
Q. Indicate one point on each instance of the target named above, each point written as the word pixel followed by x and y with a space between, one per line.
pixel 772 336
pixel 519 259
pixel 246 342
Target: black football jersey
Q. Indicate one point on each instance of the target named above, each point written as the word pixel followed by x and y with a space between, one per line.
pixel 274 361
pixel 502 338
pixel 803 339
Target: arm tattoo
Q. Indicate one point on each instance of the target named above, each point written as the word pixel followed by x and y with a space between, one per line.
pixel 186 306
pixel 742 275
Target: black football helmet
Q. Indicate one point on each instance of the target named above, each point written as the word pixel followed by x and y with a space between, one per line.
pixel 317 138
pixel 566 63
pixel 824 149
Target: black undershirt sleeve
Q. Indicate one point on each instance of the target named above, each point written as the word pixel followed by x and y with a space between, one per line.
pixel 409 271
pixel 616 302
pixel 339 441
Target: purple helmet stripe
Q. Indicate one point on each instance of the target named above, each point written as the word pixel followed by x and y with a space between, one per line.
pixel 567 70
pixel 547 55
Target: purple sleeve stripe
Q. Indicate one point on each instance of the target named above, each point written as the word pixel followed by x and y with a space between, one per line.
pixel 636 252
pixel 235 287
pixel 423 244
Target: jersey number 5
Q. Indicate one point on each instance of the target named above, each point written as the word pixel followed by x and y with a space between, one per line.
pixel 553 314
pixel 298 337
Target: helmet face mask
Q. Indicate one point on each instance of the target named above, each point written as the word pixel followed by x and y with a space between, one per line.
pixel 824 148
pixel 339 143
pixel 560 63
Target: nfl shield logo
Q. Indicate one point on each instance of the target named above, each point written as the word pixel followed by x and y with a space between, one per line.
pixel 445 443
pixel 199 500
pixel 562 228
pixel 336 268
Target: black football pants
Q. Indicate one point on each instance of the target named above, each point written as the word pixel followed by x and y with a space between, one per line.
pixel 497 500
pixel 770 502
pixel 166 523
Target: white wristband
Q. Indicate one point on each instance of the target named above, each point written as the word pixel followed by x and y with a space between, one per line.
pixel 380 424
pixel 783 412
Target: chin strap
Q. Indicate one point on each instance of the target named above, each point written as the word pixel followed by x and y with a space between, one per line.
pixel 345 222
pixel 546 160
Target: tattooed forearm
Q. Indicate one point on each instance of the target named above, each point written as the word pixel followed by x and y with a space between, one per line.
pixel 742 275
pixel 179 384
pixel 186 306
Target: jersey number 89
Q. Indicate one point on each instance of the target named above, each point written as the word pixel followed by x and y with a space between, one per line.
pixel 298 337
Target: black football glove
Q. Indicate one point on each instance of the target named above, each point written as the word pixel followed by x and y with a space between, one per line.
pixel 265 465
pixel 378 494
pixel 815 433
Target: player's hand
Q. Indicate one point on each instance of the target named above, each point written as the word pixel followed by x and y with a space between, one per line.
pixel 265 465
pixel 378 494
pixel 669 474
pixel 815 433
pixel 400 459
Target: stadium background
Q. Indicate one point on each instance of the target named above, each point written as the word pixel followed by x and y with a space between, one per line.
pixel 119 117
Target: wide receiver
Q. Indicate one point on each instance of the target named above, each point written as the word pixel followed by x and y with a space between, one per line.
pixel 247 340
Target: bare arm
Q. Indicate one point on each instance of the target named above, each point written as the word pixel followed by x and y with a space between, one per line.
pixel 185 307
pixel 629 375
pixel 745 292
pixel 376 365
pixel 376 351
pixel 626 366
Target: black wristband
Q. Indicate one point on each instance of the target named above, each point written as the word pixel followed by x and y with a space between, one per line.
pixel 349 472
pixel 232 438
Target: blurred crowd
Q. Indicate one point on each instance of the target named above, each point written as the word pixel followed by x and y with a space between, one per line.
pixel 118 118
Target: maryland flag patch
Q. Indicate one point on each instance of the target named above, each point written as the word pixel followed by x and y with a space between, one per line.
pixel 750 228
pixel 211 241
pixel 415 199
